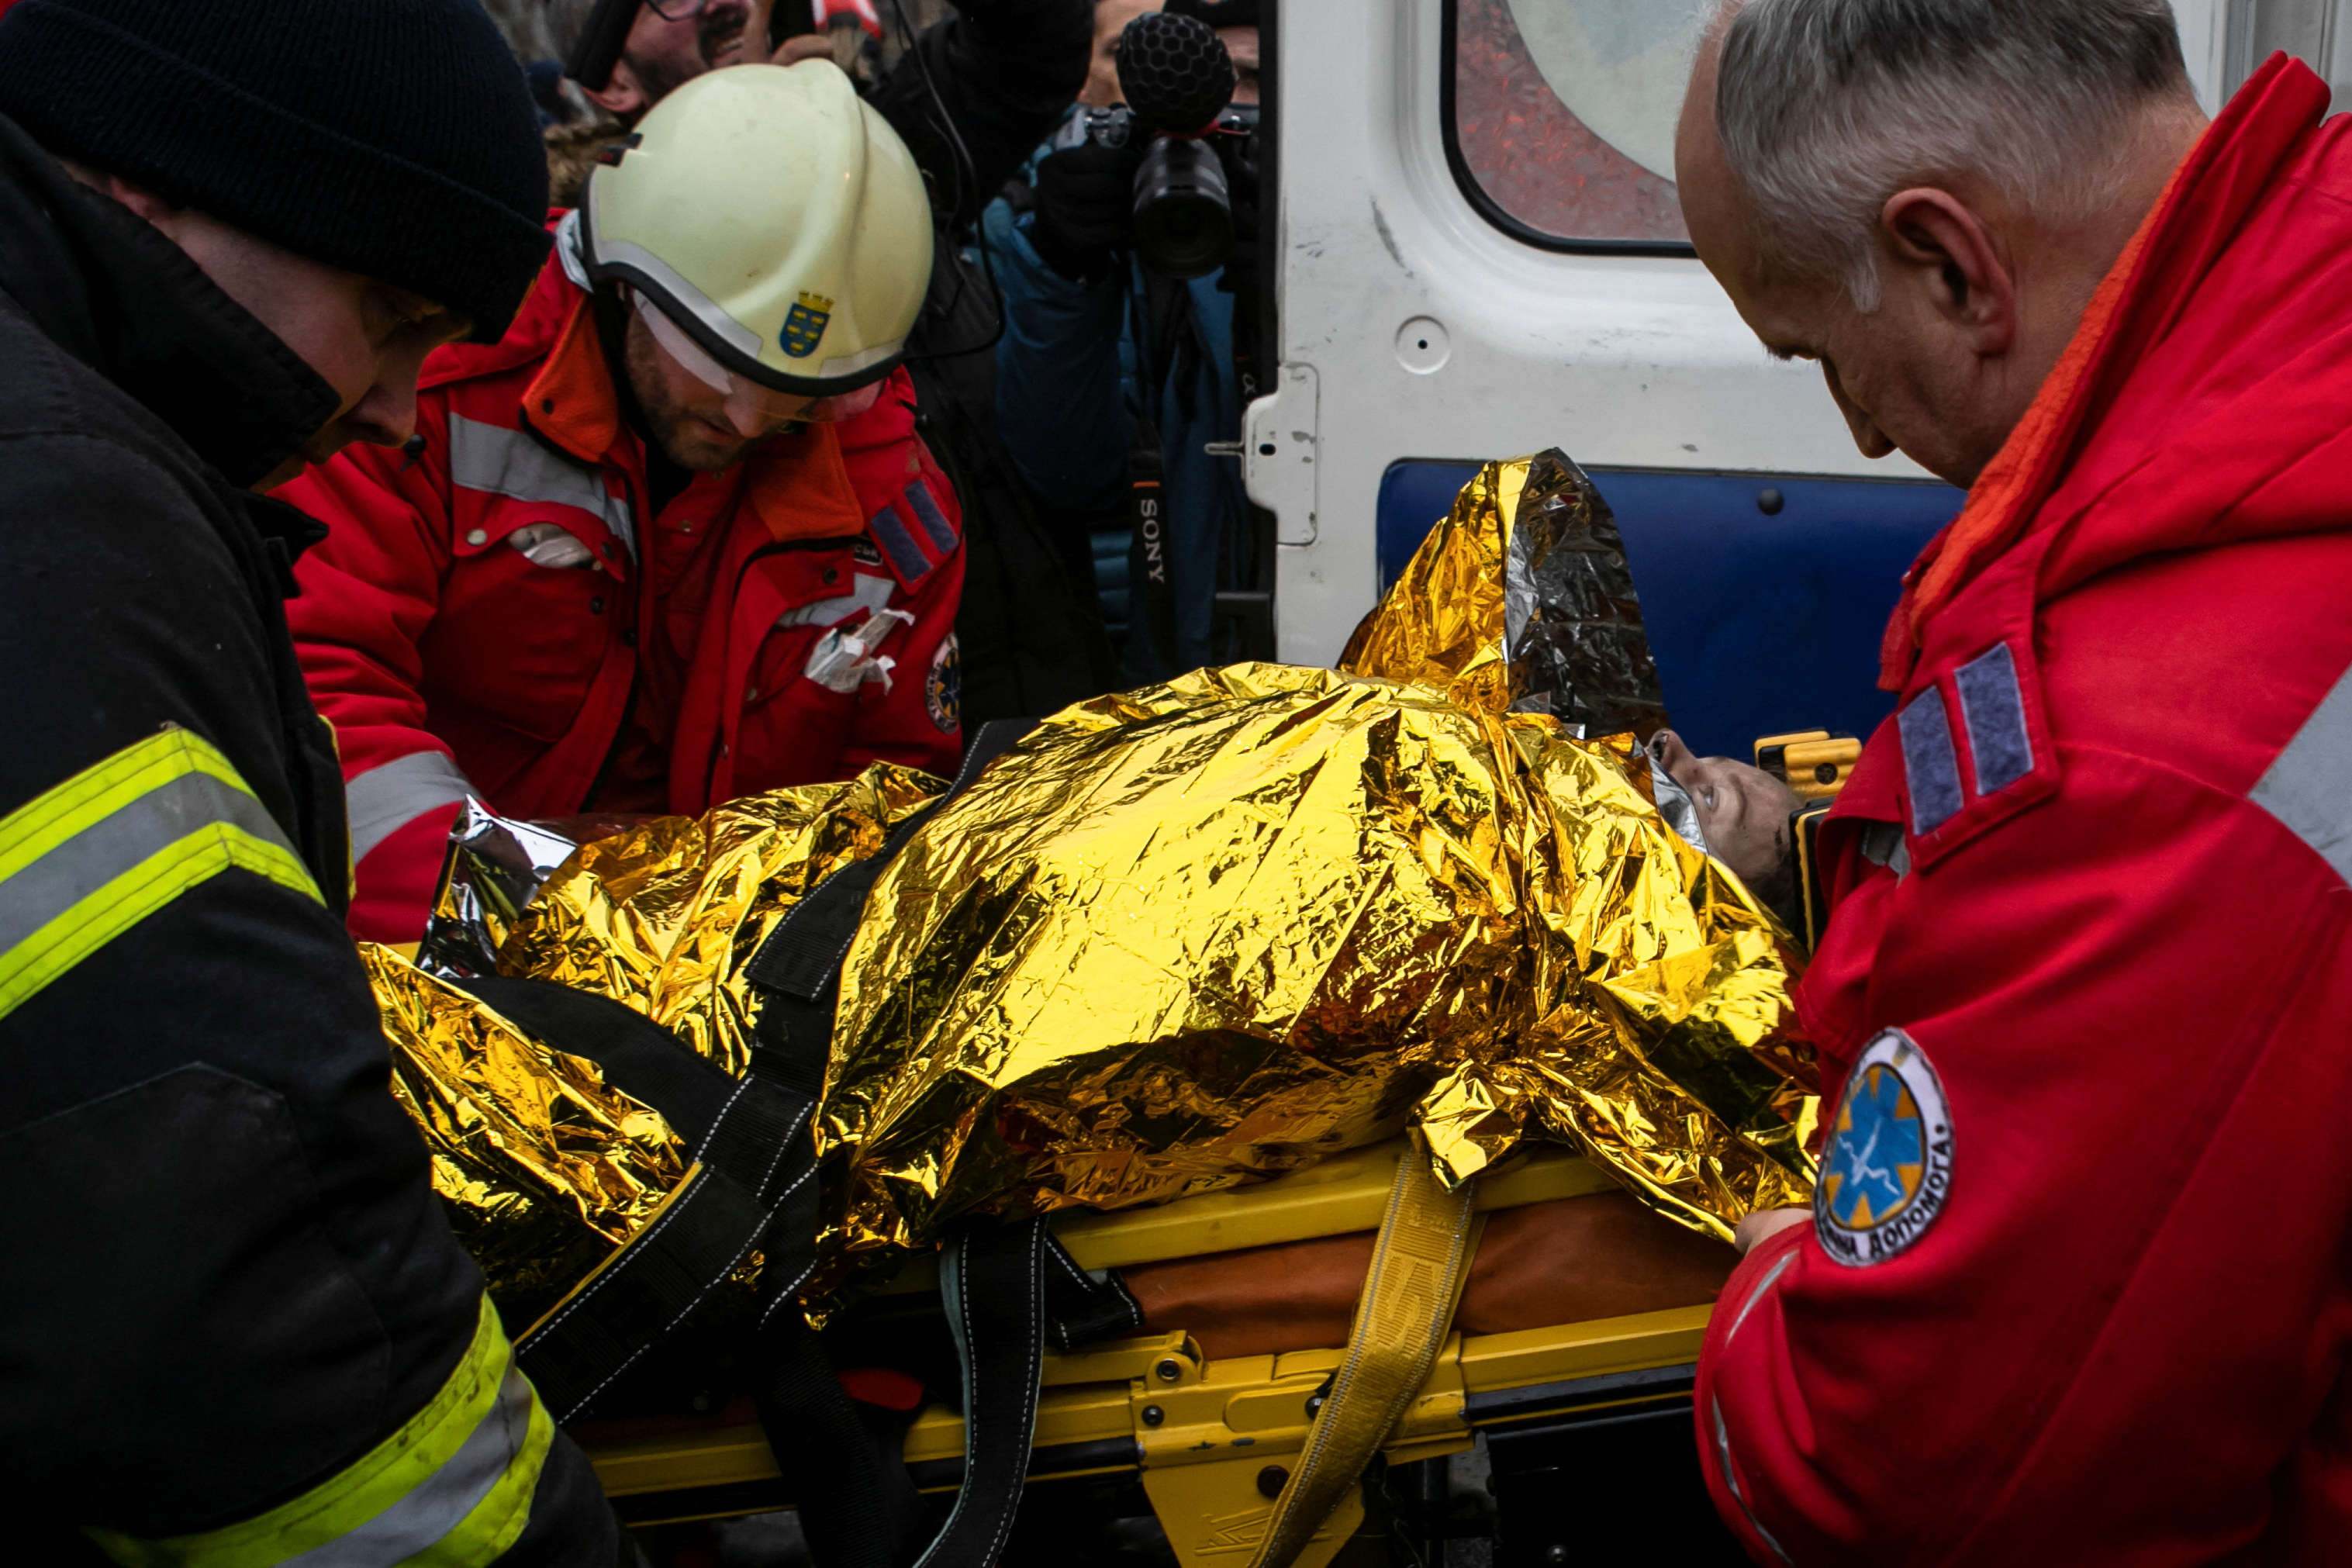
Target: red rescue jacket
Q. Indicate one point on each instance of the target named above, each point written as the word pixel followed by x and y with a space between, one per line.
pixel 507 616
pixel 2076 1290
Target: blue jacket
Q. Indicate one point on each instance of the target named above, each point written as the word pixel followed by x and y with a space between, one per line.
pixel 1068 400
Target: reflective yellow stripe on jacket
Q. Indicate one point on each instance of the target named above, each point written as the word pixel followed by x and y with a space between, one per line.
pixel 111 846
pixel 452 1488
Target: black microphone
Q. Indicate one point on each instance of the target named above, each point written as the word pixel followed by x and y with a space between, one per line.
pixel 1176 78
pixel 1175 73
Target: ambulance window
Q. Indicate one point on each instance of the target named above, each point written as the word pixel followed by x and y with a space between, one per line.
pixel 1560 117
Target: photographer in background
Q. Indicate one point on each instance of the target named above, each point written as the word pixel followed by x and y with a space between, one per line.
pixel 1119 367
pixel 669 43
pixel 971 97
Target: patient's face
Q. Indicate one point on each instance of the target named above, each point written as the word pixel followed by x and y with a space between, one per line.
pixel 1743 810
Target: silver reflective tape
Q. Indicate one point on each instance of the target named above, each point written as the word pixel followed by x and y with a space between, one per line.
pixel 512 463
pixel 926 513
pixel 678 292
pixel 1677 806
pixel 567 249
pixel 1882 844
pixel 891 532
pixel 870 595
pixel 1931 769
pixel 864 359
pixel 2309 787
pixel 120 841
pixel 1771 1277
pixel 384 800
pixel 1994 711
pixel 1731 1483
pixel 442 1500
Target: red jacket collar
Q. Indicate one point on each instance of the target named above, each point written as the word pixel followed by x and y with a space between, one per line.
pixel 2156 282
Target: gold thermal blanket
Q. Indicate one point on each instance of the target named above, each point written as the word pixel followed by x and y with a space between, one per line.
pixel 1177 940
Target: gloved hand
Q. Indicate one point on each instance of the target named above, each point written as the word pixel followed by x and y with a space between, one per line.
pixel 1085 207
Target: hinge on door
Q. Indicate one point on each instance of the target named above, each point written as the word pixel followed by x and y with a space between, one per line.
pixel 1278 461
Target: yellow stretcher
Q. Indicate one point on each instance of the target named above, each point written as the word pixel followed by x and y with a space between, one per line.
pixel 1213 1442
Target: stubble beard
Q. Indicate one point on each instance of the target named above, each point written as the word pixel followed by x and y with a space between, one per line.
pixel 690 442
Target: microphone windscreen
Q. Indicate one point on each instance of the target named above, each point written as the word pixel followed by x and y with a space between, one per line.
pixel 1174 73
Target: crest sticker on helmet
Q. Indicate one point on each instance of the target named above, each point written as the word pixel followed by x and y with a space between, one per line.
pixel 804 324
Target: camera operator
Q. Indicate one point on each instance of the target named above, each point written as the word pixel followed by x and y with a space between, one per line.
pixel 969 97
pixel 1119 366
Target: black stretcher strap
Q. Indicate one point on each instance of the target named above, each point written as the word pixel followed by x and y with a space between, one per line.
pixel 1081 1309
pixel 1008 1288
pixel 992 1282
pixel 645 1291
pixel 638 1057
pixel 802 957
pixel 752 1154
pixel 858 1504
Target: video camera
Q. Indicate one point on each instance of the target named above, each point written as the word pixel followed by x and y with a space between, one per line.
pixel 1178 81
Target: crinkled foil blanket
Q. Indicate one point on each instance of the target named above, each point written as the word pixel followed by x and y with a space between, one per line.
pixel 1176 941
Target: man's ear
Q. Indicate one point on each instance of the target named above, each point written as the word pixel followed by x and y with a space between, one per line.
pixel 623 97
pixel 1933 235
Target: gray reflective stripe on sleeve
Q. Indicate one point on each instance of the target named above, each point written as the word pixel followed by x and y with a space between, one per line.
pixel 1994 711
pixel 926 513
pixel 1771 1277
pixel 891 530
pixel 1931 769
pixel 384 800
pixel 2309 787
pixel 440 1503
pixel 121 841
pixel 1731 1483
pixel 514 464
pixel 870 595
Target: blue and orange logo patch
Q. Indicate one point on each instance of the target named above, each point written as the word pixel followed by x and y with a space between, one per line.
pixel 1889 1167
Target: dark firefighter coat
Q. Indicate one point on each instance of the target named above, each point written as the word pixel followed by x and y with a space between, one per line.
pixel 233 1325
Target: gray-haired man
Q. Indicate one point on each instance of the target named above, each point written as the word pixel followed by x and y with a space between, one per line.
pixel 2073 1290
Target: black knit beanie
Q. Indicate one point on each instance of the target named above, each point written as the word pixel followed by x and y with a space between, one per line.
pixel 392 138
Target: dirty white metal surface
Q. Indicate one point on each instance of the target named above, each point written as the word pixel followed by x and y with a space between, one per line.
pixel 1413 328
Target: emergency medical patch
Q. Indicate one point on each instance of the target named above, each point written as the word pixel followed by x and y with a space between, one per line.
pixel 805 325
pixel 943 689
pixel 1889 1167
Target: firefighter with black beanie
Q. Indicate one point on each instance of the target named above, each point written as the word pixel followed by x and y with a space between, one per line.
pixel 234 1328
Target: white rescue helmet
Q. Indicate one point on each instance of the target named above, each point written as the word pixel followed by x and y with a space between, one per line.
pixel 775 219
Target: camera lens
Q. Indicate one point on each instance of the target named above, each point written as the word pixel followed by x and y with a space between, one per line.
pixel 1183 218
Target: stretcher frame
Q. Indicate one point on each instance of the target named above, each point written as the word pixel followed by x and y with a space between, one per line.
pixel 1211 1440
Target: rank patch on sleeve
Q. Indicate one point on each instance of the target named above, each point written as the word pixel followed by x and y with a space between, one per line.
pixel 1889 1167
pixel 943 688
